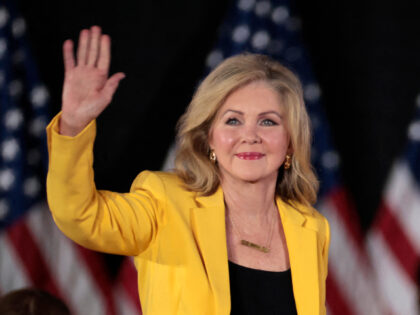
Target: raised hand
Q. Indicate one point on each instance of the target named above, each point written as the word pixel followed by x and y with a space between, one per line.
pixel 87 90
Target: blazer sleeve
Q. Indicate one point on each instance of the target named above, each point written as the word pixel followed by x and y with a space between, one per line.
pixel 101 220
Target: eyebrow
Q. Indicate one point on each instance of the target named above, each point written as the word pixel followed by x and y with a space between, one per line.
pixel 260 114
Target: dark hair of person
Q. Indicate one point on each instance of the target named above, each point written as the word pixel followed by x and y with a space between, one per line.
pixel 30 301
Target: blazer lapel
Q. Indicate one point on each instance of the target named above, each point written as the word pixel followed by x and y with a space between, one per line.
pixel 303 254
pixel 208 220
pixel 209 227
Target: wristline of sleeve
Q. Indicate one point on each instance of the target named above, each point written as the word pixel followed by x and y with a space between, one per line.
pixel 65 145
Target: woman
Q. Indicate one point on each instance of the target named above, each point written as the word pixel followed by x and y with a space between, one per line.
pixel 232 230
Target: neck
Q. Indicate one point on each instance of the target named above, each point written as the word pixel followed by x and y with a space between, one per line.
pixel 253 200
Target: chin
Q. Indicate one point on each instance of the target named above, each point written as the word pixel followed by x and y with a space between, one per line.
pixel 251 177
pixel 250 174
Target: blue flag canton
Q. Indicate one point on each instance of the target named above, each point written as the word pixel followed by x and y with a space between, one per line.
pixel 269 27
pixel 23 117
pixel 413 147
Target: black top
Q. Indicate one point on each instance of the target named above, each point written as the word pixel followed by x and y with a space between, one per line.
pixel 260 292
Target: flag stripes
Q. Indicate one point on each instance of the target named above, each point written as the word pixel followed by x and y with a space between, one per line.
pixel 98 272
pixel 29 254
pixel 391 231
pixel 402 195
pixel 128 289
pixel 128 279
pixel 349 270
pixel 10 279
pixel 336 301
pixel 393 242
pixel 397 293
pixel 72 275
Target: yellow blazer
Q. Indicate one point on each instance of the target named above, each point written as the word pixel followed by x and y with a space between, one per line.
pixel 177 237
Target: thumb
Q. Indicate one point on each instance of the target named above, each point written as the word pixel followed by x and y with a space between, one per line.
pixel 111 86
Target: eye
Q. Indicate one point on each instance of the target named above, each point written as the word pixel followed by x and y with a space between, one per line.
pixel 232 121
pixel 268 122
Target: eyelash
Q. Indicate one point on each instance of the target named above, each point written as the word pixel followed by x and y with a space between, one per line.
pixel 231 120
pixel 271 122
pixel 265 122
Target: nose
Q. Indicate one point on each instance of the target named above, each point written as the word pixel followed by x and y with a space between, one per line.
pixel 250 135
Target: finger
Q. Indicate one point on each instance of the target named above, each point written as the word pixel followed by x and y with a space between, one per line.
pixel 93 52
pixel 104 53
pixel 111 86
pixel 68 55
pixel 82 48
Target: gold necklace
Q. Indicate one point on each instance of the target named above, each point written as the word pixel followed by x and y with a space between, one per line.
pixel 264 249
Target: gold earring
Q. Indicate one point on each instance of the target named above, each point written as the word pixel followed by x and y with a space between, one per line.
pixel 287 163
pixel 212 156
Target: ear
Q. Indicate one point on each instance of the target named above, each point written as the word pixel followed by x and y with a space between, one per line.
pixel 210 139
pixel 290 148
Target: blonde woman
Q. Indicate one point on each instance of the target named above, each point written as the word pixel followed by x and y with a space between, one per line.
pixel 232 229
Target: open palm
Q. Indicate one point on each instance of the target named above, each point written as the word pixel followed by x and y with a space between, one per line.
pixel 87 90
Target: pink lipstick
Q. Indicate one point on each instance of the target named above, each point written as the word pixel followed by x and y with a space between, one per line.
pixel 250 155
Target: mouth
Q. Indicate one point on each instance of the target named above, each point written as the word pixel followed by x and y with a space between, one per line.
pixel 250 155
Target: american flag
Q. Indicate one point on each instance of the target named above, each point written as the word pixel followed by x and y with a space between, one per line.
pixel 394 240
pixel 353 286
pixel 34 253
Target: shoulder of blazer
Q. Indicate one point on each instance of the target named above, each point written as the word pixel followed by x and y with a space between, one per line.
pixel 313 218
pixel 162 185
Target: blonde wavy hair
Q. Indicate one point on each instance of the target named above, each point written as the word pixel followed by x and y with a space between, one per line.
pixel 192 164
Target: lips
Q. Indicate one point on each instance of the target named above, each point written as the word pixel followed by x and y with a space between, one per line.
pixel 250 155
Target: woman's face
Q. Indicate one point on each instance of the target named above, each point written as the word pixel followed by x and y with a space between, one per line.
pixel 249 134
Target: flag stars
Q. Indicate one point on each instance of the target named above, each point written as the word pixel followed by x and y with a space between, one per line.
pixel 314 154
pixel 7 179
pixel 262 8
pixel 315 121
pixel 330 160
pixel 280 15
pixel 414 131
pixel 293 24
pixel 3 47
pixel 13 119
pixel 33 157
pixel 2 78
pixel 15 88
pixel 275 47
pixel 260 40
pixel 37 126
pixel 18 56
pixel 4 17
pixel 241 34
pixel 18 27
pixel 246 5
pixel 9 149
pixel 31 187
pixel 214 58
pixel 4 209
pixel 312 92
pixel 293 53
pixel 39 96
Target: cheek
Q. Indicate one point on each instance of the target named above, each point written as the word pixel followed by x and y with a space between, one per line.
pixel 277 141
pixel 223 139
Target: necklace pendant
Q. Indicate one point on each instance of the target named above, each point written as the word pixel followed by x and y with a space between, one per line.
pixel 255 246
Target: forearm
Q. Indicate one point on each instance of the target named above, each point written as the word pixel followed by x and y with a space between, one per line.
pixel 100 220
